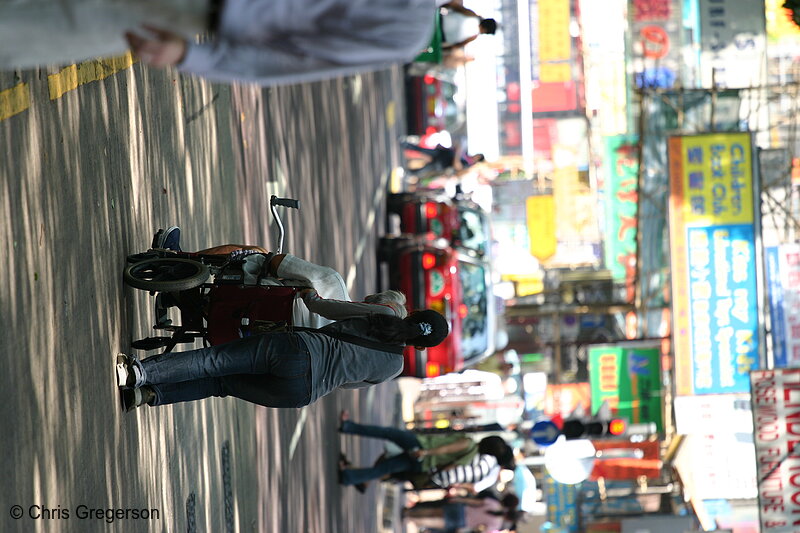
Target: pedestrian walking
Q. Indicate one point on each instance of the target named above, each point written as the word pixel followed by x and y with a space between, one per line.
pixel 461 26
pixel 269 42
pixel 441 158
pixel 282 369
pixel 442 460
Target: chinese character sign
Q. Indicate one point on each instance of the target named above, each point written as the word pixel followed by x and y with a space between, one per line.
pixel 655 27
pixel 714 278
pixel 621 185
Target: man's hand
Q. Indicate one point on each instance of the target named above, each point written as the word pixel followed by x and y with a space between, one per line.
pixel 161 49
pixel 304 293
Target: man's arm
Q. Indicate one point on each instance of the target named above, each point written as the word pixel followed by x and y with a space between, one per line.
pixel 460 44
pixel 472 502
pixel 339 309
pixel 487 481
pixel 453 447
pixel 468 488
pixel 223 61
pixel 305 49
pixel 458 6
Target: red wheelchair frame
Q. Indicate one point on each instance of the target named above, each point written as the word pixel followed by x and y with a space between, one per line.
pixel 218 311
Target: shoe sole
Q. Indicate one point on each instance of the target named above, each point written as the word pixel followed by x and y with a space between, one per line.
pixel 122 373
pixel 164 236
pixel 123 404
pixel 123 400
pixel 156 237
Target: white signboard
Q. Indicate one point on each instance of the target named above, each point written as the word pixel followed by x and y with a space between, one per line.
pixel 721 466
pixel 776 419
pixel 713 414
pixel 733 43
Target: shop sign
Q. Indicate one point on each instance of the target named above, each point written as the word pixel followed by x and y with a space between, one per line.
pixel 715 288
pixel 627 376
pixel 776 418
pixel 783 282
pixel 622 196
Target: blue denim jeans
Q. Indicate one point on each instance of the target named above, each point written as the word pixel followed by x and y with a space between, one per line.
pixel 273 370
pixel 407 440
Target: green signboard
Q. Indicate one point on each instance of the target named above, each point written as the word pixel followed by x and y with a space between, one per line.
pixel 628 377
pixel 621 185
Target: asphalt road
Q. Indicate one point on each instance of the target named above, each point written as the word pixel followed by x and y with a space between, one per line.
pixel 93 159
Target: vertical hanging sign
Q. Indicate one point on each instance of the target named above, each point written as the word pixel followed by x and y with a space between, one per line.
pixel 712 222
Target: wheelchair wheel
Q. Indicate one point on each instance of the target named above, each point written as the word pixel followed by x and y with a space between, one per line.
pixel 166 274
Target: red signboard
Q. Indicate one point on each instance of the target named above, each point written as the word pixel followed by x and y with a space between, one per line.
pixel 554 96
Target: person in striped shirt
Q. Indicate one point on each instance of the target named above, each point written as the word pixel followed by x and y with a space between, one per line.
pixel 452 458
pixel 482 471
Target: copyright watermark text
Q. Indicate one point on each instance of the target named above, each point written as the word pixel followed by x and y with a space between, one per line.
pixel 83 512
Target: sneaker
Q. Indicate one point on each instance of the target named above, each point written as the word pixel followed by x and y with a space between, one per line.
pixel 133 398
pixel 130 373
pixel 169 239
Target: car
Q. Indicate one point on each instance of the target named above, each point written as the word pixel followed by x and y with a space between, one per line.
pixel 462 223
pixel 425 109
pixel 434 275
pixel 434 107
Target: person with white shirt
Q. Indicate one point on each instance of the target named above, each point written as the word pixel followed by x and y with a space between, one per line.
pixel 269 42
pixel 461 25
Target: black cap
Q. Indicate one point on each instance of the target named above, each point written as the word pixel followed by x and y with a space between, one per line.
pixel 433 328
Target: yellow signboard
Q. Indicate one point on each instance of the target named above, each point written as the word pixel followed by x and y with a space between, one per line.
pixel 541 221
pixel 716 179
pixel 526 284
pixel 554 39
pixel 555 72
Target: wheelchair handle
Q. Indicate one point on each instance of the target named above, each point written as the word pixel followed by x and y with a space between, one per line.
pixel 285 202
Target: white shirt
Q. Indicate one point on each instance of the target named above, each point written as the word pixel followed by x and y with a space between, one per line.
pixel 458 27
pixel 273 42
pixel 483 472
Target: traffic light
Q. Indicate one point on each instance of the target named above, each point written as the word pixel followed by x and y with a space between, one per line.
pixel 575 428
pixel 616 427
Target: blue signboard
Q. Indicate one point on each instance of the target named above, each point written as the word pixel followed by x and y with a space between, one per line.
pixel 776 312
pixel 783 282
pixel 724 307
pixel 562 507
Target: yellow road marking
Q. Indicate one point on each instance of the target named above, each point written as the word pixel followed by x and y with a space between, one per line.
pixel 391 112
pixel 396 180
pixel 14 100
pixel 69 78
